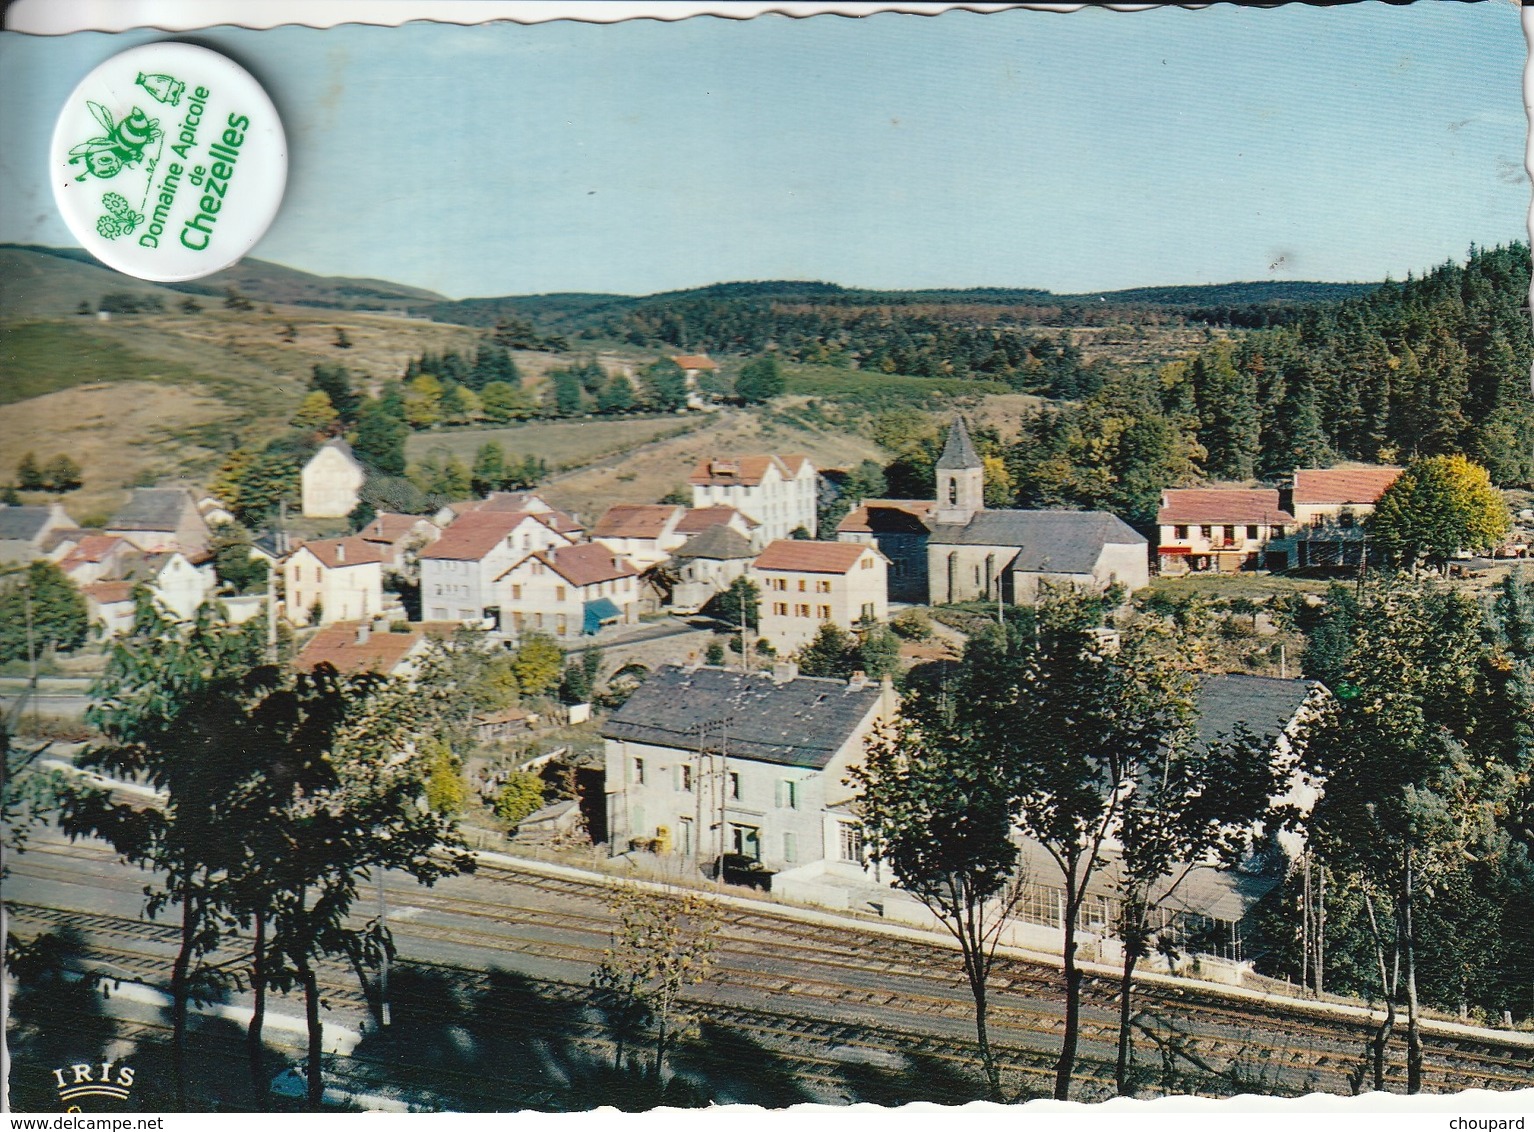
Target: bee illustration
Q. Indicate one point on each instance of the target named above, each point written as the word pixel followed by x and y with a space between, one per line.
pixel 123 144
pixel 122 219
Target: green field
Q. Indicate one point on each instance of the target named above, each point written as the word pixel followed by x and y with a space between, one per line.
pixel 563 444
pixel 44 357
pixel 879 388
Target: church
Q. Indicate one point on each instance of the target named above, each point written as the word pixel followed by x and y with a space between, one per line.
pixel 975 554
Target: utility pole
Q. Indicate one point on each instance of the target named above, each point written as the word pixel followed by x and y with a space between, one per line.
pixel 383 953
pixel 26 600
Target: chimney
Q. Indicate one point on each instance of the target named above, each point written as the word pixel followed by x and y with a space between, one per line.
pixel 364 630
pixel 340 553
pixel 783 671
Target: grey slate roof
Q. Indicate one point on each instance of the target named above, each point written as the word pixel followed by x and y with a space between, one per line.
pixel 1265 704
pixel 1047 542
pixel 19 522
pixel 153 509
pixel 800 722
pixel 719 542
pixel 958 452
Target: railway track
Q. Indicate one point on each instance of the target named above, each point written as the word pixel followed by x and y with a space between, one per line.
pixel 807 989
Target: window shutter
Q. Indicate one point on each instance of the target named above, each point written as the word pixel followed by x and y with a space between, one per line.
pixel 779 793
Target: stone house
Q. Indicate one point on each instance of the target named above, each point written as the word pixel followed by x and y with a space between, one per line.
pixel 343 576
pixel 332 481
pixel 158 519
pixel 1222 529
pixel 779 492
pixel 704 760
pixel 900 529
pixel 806 584
pixel 696 520
pixel 567 592
pixel 706 565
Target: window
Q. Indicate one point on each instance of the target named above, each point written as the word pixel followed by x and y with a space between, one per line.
pixel 788 794
pixel 953 490
pixel 747 841
pixel 1180 532
pixel 1206 532
pixel 823 612
pixel 1251 532
pixel 867 563
pixel 801 611
pixel 780 608
pixel 516 593
pixel 639 772
pixel 1040 905
pixel 438 613
pixel 790 848
pixel 684 775
pixel 684 836
pixel 823 587
pixel 977 575
pixel 868 611
pixel 801 585
pixel 559 593
pixel 1279 532
pixel 851 842
pixel 734 782
pixel 561 624
pixel 1230 534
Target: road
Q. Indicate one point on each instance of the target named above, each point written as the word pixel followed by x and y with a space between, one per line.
pixel 492 1007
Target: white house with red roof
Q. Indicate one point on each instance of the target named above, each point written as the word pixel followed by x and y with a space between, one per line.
pixel 95 557
pixel 400 539
pixel 365 646
pixel 459 569
pixel 805 584
pixel 1222 529
pixel 567 592
pixel 644 533
pixel 696 520
pixel 342 577
pixel 779 492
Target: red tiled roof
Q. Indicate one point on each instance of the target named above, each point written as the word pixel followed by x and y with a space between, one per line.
pixel 108 593
pixel 860 520
pixel 337 645
pixel 1180 506
pixel 810 557
pixel 1342 485
pixel 747 470
pixel 586 564
pixel 91 548
pixel 474 534
pixel 389 527
pixel 343 552
pixel 508 501
pixel 635 520
pixel 695 520
pixel 794 463
pixel 695 361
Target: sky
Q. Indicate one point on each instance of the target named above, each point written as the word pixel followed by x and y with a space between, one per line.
pixel 1077 151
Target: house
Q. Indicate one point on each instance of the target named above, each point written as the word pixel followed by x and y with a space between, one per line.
pixel 365 646
pixel 704 760
pixel 900 529
pixel 806 584
pixel 567 592
pixel 24 529
pixel 779 492
pixel 158 519
pixel 400 539
pixel 694 366
pixel 109 606
pixel 179 585
pixel 1330 506
pixel 696 520
pixel 332 481
pixel 707 564
pixel 459 569
pixel 644 533
pixel 95 557
pixel 1222 529
pixel 1005 556
pixel 340 577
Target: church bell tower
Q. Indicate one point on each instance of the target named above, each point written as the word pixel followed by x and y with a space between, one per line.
pixel 960 478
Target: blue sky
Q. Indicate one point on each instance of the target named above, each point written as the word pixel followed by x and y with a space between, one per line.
pixel 1079 151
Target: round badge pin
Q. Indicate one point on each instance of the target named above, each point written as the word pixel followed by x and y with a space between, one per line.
pixel 169 162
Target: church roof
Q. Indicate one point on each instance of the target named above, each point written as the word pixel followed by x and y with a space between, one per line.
pixel 958 452
pixel 1047 542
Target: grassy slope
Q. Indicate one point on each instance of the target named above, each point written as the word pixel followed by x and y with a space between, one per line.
pixel 560 443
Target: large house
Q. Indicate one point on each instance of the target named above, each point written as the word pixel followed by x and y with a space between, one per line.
pixel 706 565
pixel 158 519
pixel 978 555
pixel 779 492
pixel 24 530
pixel 568 591
pixel 644 533
pixel 332 481
pixel 704 761
pixel 1222 529
pixel 342 577
pixel 1330 506
pixel 804 585
pixel 458 570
